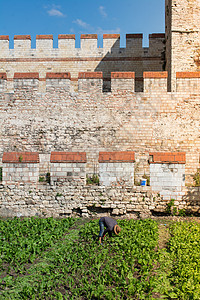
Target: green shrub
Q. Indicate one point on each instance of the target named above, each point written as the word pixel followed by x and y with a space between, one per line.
pixel 94 179
pixel 196 178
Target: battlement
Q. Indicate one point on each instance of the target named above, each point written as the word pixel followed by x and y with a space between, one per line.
pixel 88 43
pixel 92 82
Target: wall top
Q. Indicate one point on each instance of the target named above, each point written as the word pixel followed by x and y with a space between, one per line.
pixel 22 37
pixel 155 74
pixel 125 75
pixel 188 75
pixel 134 36
pixel 122 156
pixel 26 75
pixel 168 157
pixel 66 36
pixel 50 75
pixel 44 37
pixel 4 37
pixel 89 36
pixel 111 36
pixel 67 157
pixel 157 35
pixel 90 75
pixel 20 157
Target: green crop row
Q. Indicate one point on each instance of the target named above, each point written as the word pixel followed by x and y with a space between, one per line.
pixel 80 268
pixel 22 240
pixel 184 249
pixel 128 266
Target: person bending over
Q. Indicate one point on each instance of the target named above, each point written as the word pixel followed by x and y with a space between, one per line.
pixel 111 226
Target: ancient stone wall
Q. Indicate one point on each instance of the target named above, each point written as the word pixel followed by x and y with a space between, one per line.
pixel 92 121
pixel 88 58
pixel 182 37
pixel 87 201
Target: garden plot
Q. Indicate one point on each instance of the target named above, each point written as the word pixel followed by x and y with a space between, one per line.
pixel 61 259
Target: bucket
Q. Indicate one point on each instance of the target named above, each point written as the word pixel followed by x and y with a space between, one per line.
pixel 143 182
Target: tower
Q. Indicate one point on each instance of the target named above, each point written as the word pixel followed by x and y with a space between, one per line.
pixel 182 27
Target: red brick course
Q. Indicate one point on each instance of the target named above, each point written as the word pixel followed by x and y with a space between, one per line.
pixel 20 157
pixel 44 37
pixel 188 75
pixel 90 75
pixel 63 59
pixel 66 36
pixel 111 36
pixel 125 75
pixel 67 157
pixel 51 75
pixel 122 156
pixel 155 75
pixel 88 36
pixel 168 157
pixel 134 36
pixel 22 37
pixel 26 75
pixel 4 37
pixel 3 76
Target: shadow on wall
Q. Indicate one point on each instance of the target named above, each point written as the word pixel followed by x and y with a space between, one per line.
pixel 192 201
pixel 132 58
pixel 120 60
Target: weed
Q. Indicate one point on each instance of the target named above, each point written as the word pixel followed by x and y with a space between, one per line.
pixel 182 212
pixel 136 183
pixel 171 209
pixel 41 179
pixel 196 178
pixel 20 158
pixel 59 195
pixel 102 201
pixel 94 179
pixel 1 173
pixel 48 178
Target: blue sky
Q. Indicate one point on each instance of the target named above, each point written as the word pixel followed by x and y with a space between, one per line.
pixel 81 16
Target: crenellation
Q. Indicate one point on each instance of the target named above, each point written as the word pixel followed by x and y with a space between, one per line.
pixel 123 81
pixel 4 45
pixel 66 44
pixel 155 82
pixel 111 43
pixel 44 45
pixel 88 58
pixel 156 44
pixel 89 43
pixel 90 82
pixel 134 45
pixel 58 81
